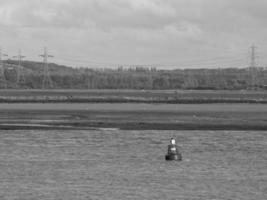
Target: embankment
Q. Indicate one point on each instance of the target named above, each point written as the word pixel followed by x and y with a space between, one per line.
pixel 132 96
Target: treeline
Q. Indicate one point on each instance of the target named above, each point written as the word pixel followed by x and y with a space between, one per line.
pixel 31 76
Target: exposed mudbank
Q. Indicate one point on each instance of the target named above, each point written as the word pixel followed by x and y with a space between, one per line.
pixel 134 117
pixel 121 100
pixel 131 126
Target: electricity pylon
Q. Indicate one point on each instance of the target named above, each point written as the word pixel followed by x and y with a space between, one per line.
pixel 90 79
pixel 46 74
pixel 3 83
pixel 20 74
pixel 253 66
pixel 253 56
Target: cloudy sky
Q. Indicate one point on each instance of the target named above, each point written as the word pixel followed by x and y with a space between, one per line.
pixel 166 33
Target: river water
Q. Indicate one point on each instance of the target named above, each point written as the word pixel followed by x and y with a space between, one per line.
pixel 114 164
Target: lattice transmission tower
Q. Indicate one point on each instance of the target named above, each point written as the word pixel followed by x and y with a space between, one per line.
pixel 47 82
pixel 20 74
pixel 253 66
pixel 3 82
pixel 253 56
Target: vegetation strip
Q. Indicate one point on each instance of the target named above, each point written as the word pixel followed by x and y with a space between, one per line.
pixel 132 96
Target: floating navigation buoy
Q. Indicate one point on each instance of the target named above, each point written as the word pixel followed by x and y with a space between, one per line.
pixel 173 152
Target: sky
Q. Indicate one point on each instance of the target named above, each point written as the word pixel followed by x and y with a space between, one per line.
pixel 159 33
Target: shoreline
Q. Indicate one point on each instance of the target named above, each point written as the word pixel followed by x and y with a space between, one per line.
pixel 133 116
pixel 139 101
pixel 133 96
pixel 134 126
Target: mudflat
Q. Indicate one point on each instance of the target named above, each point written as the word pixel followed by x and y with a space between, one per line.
pixel 133 116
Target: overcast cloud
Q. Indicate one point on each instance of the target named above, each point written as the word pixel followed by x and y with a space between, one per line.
pixel 182 33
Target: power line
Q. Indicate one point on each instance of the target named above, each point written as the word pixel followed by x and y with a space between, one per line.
pixel 46 75
pixel 194 62
pixel 3 82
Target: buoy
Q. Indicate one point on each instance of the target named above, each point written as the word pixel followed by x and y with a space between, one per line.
pixel 173 152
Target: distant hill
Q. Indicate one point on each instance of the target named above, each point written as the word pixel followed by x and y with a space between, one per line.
pixel 37 67
pixel 31 76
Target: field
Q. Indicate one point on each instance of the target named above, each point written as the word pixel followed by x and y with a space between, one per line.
pixel 128 165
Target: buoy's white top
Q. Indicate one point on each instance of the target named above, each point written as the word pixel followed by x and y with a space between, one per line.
pixel 173 141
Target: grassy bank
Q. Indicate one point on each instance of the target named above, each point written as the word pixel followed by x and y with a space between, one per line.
pixel 132 96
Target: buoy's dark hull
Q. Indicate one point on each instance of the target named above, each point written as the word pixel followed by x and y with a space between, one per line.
pixel 177 157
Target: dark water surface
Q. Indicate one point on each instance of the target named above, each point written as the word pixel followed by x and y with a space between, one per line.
pixel 114 164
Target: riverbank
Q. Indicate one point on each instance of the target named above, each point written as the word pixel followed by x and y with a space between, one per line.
pixel 133 96
pixel 134 116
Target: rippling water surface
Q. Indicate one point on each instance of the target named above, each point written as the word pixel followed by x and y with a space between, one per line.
pixel 114 164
